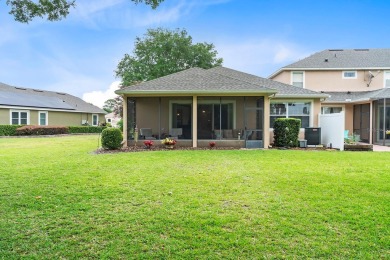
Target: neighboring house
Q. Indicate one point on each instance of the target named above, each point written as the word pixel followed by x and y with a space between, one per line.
pixel 231 107
pixel 358 82
pixel 112 119
pixel 25 106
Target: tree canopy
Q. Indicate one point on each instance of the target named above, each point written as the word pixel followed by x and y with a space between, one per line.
pixel 25 11
pixel 162 52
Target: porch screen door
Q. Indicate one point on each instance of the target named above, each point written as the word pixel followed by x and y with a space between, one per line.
pixel 254 122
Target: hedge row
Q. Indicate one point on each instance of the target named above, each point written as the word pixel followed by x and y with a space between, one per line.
pixel 86 129
pixel 41 130
pixel 8 130
pixel 11 130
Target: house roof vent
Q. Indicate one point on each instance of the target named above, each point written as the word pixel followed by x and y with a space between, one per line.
pixel 326 60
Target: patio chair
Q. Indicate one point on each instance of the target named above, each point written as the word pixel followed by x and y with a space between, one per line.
pixel 217 134
pixel 347 139
pixel 247 135
pixel 175 133
pixel 146 133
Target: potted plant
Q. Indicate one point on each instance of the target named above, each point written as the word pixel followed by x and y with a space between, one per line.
pixel 169 143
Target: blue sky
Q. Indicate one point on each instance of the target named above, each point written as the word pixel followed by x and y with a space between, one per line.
pixel 79 54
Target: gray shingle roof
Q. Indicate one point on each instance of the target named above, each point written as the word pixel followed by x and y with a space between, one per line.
pixel 216 80
pixel 344 59
pixel 343 97
pixel 27 97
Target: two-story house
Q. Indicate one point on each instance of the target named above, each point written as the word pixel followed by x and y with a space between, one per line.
pixel 358 82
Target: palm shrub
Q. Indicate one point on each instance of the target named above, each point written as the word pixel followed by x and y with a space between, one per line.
pixel 111 138
pixel 286 131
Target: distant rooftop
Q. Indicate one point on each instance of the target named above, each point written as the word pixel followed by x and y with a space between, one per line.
pixel 344 59
pixel 36 98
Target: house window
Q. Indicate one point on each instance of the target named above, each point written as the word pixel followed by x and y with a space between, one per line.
pixel 331 110
pixel 299 110
pixel 95 120
pixel 19 117
pixel 42 117
pixel 349 74
pixel 387 79
pixel 297 79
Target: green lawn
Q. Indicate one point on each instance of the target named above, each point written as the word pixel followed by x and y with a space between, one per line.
pixel 59 200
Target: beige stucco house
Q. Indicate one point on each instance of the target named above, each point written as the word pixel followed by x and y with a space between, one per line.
pixel 358 82
pixel 25 106
pixel 219 104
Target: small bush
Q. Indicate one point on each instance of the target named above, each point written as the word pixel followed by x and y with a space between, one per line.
pixel 286 131
pixel 41 130
pixel 85 129
pixel 111 138
pixel 8 130
pixel 120 124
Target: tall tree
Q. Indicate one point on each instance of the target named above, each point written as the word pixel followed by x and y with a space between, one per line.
pixel 109 105
pixel 25 10
pixel 162 52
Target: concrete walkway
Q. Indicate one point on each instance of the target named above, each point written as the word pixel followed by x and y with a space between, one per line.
pixel 380 148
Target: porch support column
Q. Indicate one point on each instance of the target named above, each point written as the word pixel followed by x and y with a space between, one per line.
pixel 194 121
pixel 125 115
pixel 384 122
pixel 266 126
pixel 371 124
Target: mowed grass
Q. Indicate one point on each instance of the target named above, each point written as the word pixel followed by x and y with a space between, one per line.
pixel 59 200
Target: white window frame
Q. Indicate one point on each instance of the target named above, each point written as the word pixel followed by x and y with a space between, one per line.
pixel 386 75
pixel 293 101
pixel 46 117
pixel 97 120
pixel 303 78
pixel 19 118
pixel 349 71
pixel 322 108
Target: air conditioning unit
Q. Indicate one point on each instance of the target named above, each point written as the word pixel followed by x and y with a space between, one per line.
pixel 313 135
pixel 84 122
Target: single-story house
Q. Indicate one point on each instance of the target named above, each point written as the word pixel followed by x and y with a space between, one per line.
pixel 229 107
pixel 26 106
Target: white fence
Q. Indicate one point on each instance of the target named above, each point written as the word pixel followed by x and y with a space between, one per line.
pixel 332 129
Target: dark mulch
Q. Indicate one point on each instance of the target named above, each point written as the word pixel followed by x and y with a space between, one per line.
pixel 159 148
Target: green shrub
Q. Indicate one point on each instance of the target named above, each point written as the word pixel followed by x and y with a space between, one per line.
pixel 120 124
pixel 286 131
pixel 41 130
pixel 111 138
pixel 8 130
pixel 85 129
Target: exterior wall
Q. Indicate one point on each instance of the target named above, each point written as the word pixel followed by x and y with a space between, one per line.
pixel 4 116
pixel 333 81
pixel 54 117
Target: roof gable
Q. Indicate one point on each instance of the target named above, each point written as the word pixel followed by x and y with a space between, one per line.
pixel 216 80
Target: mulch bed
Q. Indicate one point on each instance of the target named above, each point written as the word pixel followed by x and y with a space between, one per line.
pixel 160 148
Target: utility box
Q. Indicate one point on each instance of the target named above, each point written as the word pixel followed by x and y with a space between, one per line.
pixel 313 135
pixel 302 143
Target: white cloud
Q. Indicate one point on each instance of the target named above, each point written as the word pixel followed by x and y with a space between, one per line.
pixel 259 57
pixel 99 97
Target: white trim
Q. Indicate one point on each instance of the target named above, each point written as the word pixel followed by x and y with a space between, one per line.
pixel 348 71
pixel 292 78
pixel 46 117
pixel 330 105
pixel 384 77
pixel 97 120
pixel 19 111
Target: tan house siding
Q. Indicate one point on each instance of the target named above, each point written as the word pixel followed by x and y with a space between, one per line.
pixel 324 80
pixel 4 116
pixel 54 117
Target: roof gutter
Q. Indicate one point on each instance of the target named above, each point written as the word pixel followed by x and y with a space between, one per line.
pixel 302 96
